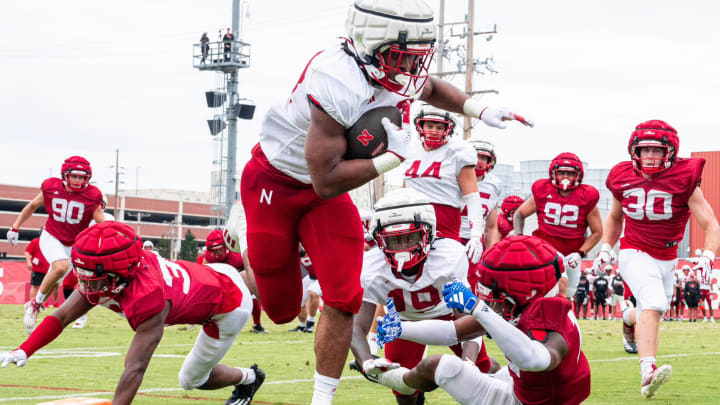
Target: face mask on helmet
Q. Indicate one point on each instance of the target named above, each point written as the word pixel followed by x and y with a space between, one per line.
pixel 486 156
pixel 653 147
pixel 76 173
pixel 434 129
pixel 393 42
pixel 98 288
pixel 215 245
pixel 405 245
pixel 566 171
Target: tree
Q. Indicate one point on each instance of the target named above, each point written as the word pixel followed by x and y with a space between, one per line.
pixel 163 247
pixel 188 248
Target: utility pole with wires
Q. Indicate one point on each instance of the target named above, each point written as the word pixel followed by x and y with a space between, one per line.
pixel 463 54
pixel 117 168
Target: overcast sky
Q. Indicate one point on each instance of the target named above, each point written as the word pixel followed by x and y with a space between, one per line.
pixel 87 77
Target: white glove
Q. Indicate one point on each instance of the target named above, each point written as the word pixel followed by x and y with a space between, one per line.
pixel 398 138
pixel 495 117
pixel 374 367
pixel 12 236
pixel 573 259
pixel 703 263
pixel 233 229
pixel 605 256
pixel 16 356
pixel 474 249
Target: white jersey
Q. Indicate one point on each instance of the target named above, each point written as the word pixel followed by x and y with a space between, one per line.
pixel 435 172
pixel 421 299
pixel 490 189
pixel 333 80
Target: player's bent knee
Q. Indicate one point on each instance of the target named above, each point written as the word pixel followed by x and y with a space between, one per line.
pixel 448 367
pixel 189 382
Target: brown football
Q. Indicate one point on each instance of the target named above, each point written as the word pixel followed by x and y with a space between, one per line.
pixel 367 138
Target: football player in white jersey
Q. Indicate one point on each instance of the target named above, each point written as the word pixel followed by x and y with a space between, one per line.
pixel 489 189
pixel 294 188
pixel 412 270
pixel 442 167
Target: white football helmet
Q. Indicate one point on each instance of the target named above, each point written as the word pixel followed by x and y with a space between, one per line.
pixel 404 227
pixel 483 148
pixel 434 138
pixel 386 32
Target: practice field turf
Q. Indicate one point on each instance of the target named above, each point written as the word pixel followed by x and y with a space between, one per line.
pixel 88 362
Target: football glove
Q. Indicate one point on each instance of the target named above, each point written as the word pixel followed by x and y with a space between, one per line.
pixel 398 138
pixel 233 229
pixel 12 236
pixel 16 356
pixel 704 264
pixel 474 249
pixel 389 327
pixel 605 256
pixel 458 296
pixel 495 117
pixel 573 259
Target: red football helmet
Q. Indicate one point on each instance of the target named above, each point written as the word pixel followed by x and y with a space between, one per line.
pixel 566 161
pixel 105 257
pixel 434 137
pixel 658 134
pixel 393 42
pixel 215 244
pixel 509 205
pixel 516 271
pixel 76 165
pixel 483 148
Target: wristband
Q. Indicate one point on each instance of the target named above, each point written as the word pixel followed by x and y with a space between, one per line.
pixel 473 108
pixel 582 254
pixel 12 228
pixel 386 162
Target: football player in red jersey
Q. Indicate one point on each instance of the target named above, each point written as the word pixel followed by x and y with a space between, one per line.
pixel 507 209
pixel 217 252
pixel 517 304
pixel 565 208
pixel 654 195
pixel 294 188
pixel 151 292
pixel 71 203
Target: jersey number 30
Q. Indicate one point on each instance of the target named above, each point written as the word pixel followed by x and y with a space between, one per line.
pixel 655 205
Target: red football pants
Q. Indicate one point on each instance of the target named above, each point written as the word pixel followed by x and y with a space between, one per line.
pixel 281 212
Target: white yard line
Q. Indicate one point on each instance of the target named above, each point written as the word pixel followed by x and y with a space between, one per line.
pixel 659 357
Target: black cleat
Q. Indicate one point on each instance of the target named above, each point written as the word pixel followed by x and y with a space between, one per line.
pixel 309 327
pixel 243 394
pixel 258 329
pixel 298 329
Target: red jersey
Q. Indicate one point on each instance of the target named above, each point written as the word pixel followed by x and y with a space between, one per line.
pixel 656 210
pixel 68 212
pixel 233 259
pixel 195 292
pixel 38 261
pixel 562 221
pixel 569 382
pixel 504 226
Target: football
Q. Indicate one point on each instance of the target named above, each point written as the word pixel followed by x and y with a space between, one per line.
pixel 367 138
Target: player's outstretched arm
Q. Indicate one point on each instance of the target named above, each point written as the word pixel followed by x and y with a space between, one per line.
pixel 361 326
pixel 613 224
pixel 444 95
pixel 27 211
pixel 325 146
pixel 147 337
pixel 704 215
pixel 594 221
pixel 525 210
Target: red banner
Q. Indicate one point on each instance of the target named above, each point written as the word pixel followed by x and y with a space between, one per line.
pixel 15 283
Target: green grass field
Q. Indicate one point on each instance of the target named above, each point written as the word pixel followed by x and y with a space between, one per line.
pixel 89 361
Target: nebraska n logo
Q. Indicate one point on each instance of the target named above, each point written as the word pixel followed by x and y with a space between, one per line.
pixel 264 195
pixel 365 137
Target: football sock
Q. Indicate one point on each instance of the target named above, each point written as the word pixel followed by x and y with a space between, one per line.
pixel 248 376
pixel 646 365
pixel 626 318
pixel 324 389
pixel 311 319
pixel 303 324
pixel 40 297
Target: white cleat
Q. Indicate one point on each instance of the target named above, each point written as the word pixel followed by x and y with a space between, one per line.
pixel 652 381
pixel 80 322
pixel 32 308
